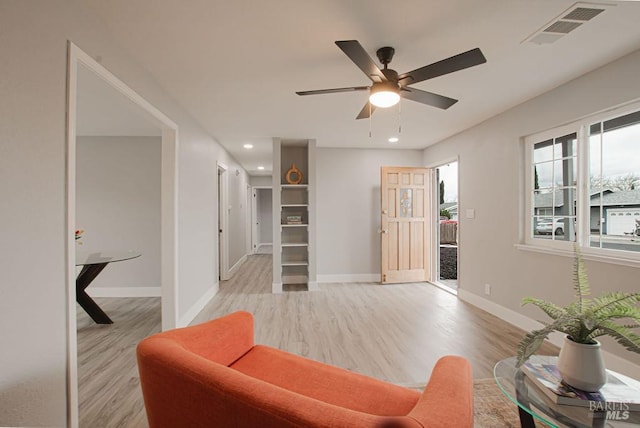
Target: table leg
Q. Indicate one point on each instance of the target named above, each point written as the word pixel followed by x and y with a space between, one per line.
pixel 526 420
pixel 88 274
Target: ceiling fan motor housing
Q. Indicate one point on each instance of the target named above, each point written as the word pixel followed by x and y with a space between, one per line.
pixel 391 75
pixel 385 55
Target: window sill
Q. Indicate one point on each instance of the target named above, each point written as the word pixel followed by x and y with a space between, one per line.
pixel 597 255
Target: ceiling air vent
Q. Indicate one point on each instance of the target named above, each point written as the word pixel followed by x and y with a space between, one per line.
pixel 566 22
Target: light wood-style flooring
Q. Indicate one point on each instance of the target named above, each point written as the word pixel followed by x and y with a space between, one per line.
pixel 392 332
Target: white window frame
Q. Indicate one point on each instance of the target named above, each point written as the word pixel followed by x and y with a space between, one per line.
pixel 561 247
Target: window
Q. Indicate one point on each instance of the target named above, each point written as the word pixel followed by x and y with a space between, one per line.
pixel 583 185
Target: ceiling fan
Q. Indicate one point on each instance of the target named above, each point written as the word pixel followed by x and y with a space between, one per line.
pixel 388 86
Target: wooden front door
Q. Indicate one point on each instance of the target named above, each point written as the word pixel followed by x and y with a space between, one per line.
pixel 406 198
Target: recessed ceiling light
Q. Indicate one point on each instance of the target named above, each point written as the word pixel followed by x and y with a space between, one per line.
pixel 394 140
pixel 260 167
pixel 248 146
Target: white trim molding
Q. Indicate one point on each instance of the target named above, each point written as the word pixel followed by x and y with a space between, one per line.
pixel 237 265
pixel 194 310
pixel 169 208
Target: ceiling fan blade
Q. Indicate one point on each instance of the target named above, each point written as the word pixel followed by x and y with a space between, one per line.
pixel 333 91
pixel 354 50
pixel 366 111
pixel 427 98
pixel 446 66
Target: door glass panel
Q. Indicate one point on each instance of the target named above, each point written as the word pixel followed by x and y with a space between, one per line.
pixel 406 202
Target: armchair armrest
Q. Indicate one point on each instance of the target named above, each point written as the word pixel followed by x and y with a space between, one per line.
pixel 448 398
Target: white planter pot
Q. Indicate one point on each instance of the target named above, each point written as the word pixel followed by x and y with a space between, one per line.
pixel 581 365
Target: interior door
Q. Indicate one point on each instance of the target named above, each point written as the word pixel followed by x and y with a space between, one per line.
pixel 405 231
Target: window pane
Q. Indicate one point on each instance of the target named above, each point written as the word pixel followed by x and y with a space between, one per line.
pixel 543 203
pixel 614 171
pixel 543 151
pixel 565 146
pixel 564 201
pixel 565 172
pixel 564 229
pixel 543 175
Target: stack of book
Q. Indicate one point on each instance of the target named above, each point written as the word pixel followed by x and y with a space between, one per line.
pixel 294 219
pixel 616 395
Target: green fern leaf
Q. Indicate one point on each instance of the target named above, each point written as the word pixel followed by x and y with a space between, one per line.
pixel 623 335
pixel 552 310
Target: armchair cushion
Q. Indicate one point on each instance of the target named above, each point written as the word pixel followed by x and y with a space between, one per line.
pixel 326 383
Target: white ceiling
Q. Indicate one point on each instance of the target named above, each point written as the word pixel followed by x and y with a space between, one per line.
pixel 235 65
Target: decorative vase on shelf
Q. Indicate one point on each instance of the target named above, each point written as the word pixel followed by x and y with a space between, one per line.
pixel 581 365
pixel 294 175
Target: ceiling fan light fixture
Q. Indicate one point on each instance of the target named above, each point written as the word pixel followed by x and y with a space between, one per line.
pixel 384 94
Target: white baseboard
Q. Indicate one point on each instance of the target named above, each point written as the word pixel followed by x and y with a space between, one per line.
pixel 124 291
pixel 612 361
pixel 198 306
pixel 235 267
pixel 263 248
pixel 357 277
pixel 313 286
pixel 276 287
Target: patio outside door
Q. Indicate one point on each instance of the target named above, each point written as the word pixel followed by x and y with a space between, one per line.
pixel 405 231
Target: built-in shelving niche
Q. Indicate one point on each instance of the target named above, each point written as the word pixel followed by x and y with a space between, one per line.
pixel 294 263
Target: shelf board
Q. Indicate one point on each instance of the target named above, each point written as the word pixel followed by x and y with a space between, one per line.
pixel 294 186
pixel 295 263
pixel 294 225
pixel 295 244
pixel 294 205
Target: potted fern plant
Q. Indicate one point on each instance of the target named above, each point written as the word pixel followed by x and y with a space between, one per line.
pixel 580 361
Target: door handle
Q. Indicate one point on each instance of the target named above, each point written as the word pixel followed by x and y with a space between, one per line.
pixel 385 212
pixel 383 231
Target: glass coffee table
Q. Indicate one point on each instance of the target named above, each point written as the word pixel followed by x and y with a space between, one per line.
pixel 92 264
pixel 533 404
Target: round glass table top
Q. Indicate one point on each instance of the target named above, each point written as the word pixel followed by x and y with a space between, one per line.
pixel 528 397
pixel 97 257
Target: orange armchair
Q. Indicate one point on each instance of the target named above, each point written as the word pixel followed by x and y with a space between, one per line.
pixel 213 375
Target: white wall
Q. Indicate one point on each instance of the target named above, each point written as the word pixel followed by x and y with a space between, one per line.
pixel 33 43
pixel 118 206
pixel 260 180
pixel 348 210
pixel 491 173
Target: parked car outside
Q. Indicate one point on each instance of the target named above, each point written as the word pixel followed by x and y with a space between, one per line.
pixel 546 226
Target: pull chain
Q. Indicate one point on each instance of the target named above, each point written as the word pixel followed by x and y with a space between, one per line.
pixel 400 116
pixel 369 120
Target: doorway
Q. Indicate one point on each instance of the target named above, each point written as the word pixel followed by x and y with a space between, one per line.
pixel 262 220
pixel 447 226
pixel 136 106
